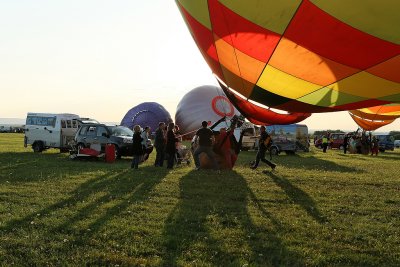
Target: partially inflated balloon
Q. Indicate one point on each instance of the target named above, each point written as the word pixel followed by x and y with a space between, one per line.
pixel 301 56
pixel 373 118
pixel 203 103
pixel 146 114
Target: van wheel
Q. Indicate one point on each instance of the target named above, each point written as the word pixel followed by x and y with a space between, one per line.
pixel 37 147
pixel 341 147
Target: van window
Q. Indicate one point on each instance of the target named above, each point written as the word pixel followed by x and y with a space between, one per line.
pixel 41 121
pixel 83 130
pixel 91 131
pixel 101 131
pixel 69 124
pixel 249 132
pixel 63 124
pixel 51 121
pixel 74 124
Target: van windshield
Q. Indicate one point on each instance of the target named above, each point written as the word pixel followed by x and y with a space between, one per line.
pixel 120 131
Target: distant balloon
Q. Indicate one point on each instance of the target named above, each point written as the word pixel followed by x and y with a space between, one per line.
pixel 204 103
pixel 146 114
pixel 373 118
pixel 300 56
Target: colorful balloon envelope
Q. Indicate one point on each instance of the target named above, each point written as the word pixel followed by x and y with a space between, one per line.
pixel 300 56
pixel 373 118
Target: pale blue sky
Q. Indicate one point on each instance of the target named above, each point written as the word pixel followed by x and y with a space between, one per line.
pixel 99 58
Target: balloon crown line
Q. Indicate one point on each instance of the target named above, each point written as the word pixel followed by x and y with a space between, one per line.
pixel 138 113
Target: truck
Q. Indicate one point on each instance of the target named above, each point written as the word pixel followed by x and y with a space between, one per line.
pixel 50 130
pixel 288 138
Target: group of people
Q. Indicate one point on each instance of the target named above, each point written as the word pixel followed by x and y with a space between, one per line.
pixel 225 147
pixel 361 143
pixel 165 142
pixel 355 142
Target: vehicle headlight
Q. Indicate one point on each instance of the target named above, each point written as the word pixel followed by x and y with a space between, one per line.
pixel 127 140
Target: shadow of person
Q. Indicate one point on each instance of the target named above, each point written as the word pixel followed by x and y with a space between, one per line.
pixel 299 197
pixel 93 204
pixel 314 163
pixel 212 225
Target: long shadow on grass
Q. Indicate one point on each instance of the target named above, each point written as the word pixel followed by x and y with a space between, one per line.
pixel 315 163
pixel 211 225
pixel 298 196
pixel 17 167
pixel 122 190
pixel 389 155
pixel 118 190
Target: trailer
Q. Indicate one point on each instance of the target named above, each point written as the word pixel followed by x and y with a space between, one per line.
pixel 289 138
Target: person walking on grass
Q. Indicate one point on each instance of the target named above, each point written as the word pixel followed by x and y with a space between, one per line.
pixel 137 148
pixel 205 137
pixel 159 143
pixel 264 142
pixel 374 146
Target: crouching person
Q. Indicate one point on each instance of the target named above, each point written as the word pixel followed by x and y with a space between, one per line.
pixel 205 138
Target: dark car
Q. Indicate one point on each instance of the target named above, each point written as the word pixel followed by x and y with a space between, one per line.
pixel 100 134
pixel 386 142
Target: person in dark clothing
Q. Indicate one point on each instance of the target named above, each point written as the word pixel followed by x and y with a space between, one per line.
pixel 159 143
pixel 137 147
pixel 205 138
pixel 171 147
pixel 345 143
pixel 262 149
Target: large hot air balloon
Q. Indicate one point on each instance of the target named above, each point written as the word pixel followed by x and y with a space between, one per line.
pixel 146 114
pixel 300 56
pixel 373 118
pixel 204 103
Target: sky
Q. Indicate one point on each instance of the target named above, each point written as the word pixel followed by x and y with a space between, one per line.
pixel 98 59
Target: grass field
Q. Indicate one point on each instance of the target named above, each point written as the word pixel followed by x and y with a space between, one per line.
pixel 315 209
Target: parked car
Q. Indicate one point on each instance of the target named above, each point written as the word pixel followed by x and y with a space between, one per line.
pixel 97 134
pixel 336 140
pixel 397 143
pixel 386 142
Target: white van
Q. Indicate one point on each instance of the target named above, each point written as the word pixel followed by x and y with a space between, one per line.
pixel 46 130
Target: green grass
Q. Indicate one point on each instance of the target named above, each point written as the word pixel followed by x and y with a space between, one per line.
pixel 315 209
